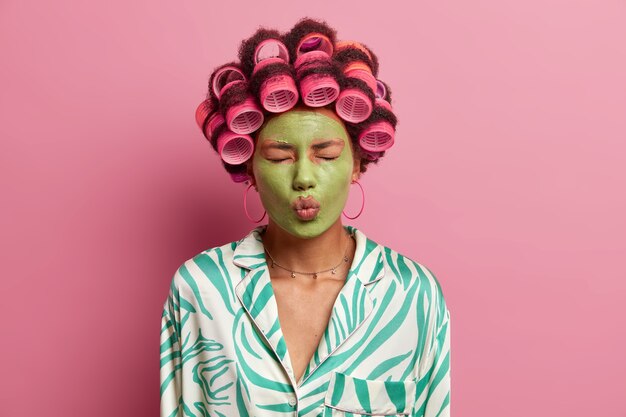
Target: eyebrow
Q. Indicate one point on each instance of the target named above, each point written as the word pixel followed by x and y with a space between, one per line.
pixel 289 146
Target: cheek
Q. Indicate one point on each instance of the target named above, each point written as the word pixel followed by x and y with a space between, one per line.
pixel 335 184
pixel 340 172
pixel 271 181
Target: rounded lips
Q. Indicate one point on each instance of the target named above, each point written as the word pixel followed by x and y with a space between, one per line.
pixel 305 203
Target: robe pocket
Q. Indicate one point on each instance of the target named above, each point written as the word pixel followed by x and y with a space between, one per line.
pixel 351 396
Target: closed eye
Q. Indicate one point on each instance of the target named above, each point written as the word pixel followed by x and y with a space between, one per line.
pixel 287 159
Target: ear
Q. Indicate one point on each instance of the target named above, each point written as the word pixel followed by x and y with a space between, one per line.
pixel 250 173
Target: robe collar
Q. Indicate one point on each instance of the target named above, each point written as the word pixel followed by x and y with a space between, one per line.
pixel 367 264
pixel 352 308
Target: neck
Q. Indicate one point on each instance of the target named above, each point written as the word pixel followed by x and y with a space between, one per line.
pixel 308 254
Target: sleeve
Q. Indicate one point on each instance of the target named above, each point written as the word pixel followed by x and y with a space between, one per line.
pixel 171 358
pixel 434 382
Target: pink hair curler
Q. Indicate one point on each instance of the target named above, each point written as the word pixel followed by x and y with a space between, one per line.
pixel 353 105
pixel 377 137
pixel 225 78
pixel 361 71
pixel 372 156
pixel 215 121
pixel 271 48
pixel 380 90
pixel 381 93
pixel 309 59
pixel 245 117
pixel 368 59
pixel 234 148
pixel 364 75
pixel 239 176
pixel 383 103
pixel 339 45
pixel 317 90
pixel 202 112
pixel 314 42
pixel 278 93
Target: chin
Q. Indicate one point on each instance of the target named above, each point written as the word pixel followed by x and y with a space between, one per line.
pixel 305 229
pixel 309 235
pixel 313 228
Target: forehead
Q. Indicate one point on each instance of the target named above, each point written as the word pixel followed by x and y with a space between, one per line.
pixel 303 126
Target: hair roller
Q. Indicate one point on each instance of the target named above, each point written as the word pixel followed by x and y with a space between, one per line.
pixel 222 77
pixel 213 123
pixel 271 48
pixel 240 108
pixel 209 119
pixel 378 132
pixel 377 137
pixel 274 77
pixel 273 82
pixel 362 71
pixel 238 173
pixel 265 59
pixel 372 156
pixel 346 51
pixel 383 95
pixel 356 100
pixel 239 177
pixel 383 91
pixel 314 42
pixel 275 70
pixel 254 49
pixel 234 148
pixel 383 103
pixel 215 126
pixel 203 111
pixel 310 35
pixel 318 78
pixel 311 45
pixel 355 103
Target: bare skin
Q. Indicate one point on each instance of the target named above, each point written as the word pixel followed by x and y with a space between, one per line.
pixel 304 303
pixel 304 308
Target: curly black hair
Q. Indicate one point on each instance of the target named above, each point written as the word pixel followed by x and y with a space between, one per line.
pixel 346 59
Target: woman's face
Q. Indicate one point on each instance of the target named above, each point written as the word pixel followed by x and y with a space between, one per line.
pixel 304 153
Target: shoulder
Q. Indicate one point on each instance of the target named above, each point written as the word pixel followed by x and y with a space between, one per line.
pixel 209 262
pixel 408 268
pixel 415 277
pixel 422 282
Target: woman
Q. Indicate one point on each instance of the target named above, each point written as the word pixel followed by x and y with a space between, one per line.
pixel 303 316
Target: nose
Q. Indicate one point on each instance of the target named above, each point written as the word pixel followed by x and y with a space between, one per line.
pixel 304 176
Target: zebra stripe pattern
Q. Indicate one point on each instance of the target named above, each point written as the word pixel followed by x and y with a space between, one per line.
pixel 385 351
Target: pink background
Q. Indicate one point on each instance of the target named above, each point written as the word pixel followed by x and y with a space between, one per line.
pixel 507 180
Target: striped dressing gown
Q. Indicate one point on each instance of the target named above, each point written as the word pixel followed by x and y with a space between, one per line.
pixel 385 351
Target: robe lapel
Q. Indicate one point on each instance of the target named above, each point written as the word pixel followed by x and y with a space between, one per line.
pixel 255 293
pixel 352 307
pixel 354 302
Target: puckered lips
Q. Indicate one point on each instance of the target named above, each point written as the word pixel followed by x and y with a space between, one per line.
pixel 306 208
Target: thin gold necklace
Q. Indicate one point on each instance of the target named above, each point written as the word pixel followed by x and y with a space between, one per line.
pixel 293 273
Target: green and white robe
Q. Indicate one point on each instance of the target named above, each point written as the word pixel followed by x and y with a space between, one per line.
pixel 385 351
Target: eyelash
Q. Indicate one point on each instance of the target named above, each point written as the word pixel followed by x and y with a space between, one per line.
pixel 321 157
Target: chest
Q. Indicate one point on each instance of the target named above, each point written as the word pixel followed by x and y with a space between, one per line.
pixel 304 312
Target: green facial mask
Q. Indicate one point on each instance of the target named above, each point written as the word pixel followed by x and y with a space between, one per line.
pixel 282 175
